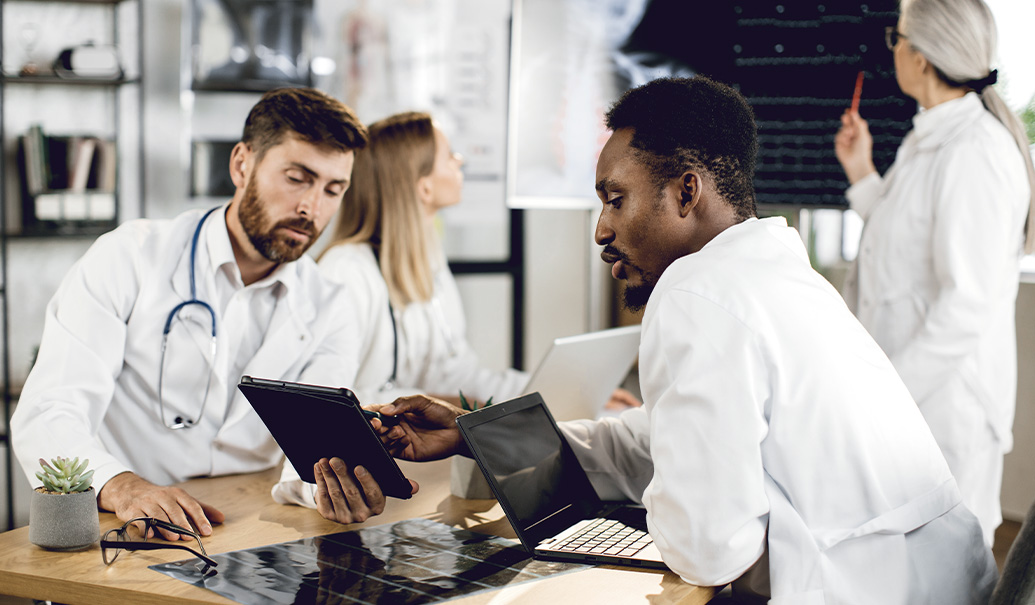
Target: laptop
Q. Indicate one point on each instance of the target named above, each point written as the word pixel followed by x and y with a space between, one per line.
pixel 546 493
pixel 579 373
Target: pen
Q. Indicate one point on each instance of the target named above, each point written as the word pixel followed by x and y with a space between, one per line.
pixel 858 92
pixel 385 420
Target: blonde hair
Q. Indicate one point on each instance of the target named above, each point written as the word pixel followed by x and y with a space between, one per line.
pixel 958 37
pixel 381 206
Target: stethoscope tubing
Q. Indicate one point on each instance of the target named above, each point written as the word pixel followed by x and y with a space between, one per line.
pixel 180 422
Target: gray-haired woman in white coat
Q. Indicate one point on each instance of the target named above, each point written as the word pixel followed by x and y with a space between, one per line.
pixel 936 278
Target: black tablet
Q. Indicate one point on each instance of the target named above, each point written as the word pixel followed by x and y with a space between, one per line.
pixel 311 422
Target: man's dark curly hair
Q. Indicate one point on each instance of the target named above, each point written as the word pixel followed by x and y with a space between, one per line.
pixel 682 124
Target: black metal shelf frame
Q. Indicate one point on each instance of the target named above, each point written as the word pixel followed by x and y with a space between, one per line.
pixel 514 266
pixel 7 393
pixel 62 81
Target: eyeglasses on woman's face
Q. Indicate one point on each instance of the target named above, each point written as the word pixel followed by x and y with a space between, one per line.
pixel 117 540
pixel 891 36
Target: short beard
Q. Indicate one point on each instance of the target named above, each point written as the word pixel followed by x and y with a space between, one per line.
pixel 254 221
pixel 634 298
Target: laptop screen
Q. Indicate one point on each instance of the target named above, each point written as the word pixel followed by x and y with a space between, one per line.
pixel 578 374
pixel 532 465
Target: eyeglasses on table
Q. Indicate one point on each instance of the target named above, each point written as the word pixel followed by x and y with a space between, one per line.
pixel 117 540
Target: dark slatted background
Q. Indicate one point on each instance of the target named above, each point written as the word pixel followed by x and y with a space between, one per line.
pixel 796 62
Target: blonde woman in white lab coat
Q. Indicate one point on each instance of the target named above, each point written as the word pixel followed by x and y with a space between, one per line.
pixel 387 253
pixel 936 278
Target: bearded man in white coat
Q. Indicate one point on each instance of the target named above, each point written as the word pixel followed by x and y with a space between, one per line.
pixel 149 333
pixel 777 448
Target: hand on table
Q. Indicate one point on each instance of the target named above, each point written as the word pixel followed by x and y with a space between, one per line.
pixel 621 400
pixel 129 496
pixel 853 146
pixel 426 431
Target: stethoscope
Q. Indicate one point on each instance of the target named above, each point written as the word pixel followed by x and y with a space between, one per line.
pixel 390 383
pixel 446 331
pixel 180 422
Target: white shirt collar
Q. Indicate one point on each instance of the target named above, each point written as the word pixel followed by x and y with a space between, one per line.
pixel 216 234
pixel 941 122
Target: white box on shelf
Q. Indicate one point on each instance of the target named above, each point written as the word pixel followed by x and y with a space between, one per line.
pixel 75 206
pixel 48 207
pixel 102 206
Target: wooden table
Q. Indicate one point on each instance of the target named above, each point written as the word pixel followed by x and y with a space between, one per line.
pixel 254 519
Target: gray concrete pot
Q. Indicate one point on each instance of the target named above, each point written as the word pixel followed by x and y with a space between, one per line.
pixel 467 481
pixel 64 521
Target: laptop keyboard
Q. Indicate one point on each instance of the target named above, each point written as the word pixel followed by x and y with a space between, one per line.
pixel 605 537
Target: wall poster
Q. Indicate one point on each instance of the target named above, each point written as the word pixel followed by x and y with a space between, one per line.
pixel 446 57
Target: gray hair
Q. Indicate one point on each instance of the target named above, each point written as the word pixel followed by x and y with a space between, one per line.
pixel 958 37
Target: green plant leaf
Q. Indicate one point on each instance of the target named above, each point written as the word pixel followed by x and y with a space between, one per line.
pixel 79 468
pixel 65 475
pixel 84 481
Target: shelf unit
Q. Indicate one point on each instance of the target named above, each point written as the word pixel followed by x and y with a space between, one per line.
pixel 63 81
pixel 115 22
pixel 219 86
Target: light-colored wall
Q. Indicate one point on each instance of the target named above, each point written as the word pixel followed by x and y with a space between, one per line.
pixel 1019 466
pixel 35 269
pixel 562 296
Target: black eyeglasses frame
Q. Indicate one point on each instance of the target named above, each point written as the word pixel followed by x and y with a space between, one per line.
pixel 891 36
pixel 150 523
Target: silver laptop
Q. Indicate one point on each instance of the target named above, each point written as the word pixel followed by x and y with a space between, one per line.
pixel 545 492
pixel 578 374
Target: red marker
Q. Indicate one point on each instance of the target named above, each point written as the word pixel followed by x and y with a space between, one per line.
pixel 858 92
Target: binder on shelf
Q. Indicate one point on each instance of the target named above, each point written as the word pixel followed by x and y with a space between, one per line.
pixel 106 164
pixel 35 164
pixel 83 160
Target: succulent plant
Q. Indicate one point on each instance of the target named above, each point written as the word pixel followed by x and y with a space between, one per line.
pixel 65 476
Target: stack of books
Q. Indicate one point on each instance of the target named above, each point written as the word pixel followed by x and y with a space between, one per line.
pixel 67 178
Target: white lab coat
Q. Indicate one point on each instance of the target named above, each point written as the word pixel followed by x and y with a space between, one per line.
pixel 772 420
pixel 433 357
pixel 935 283
pixel 93 390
